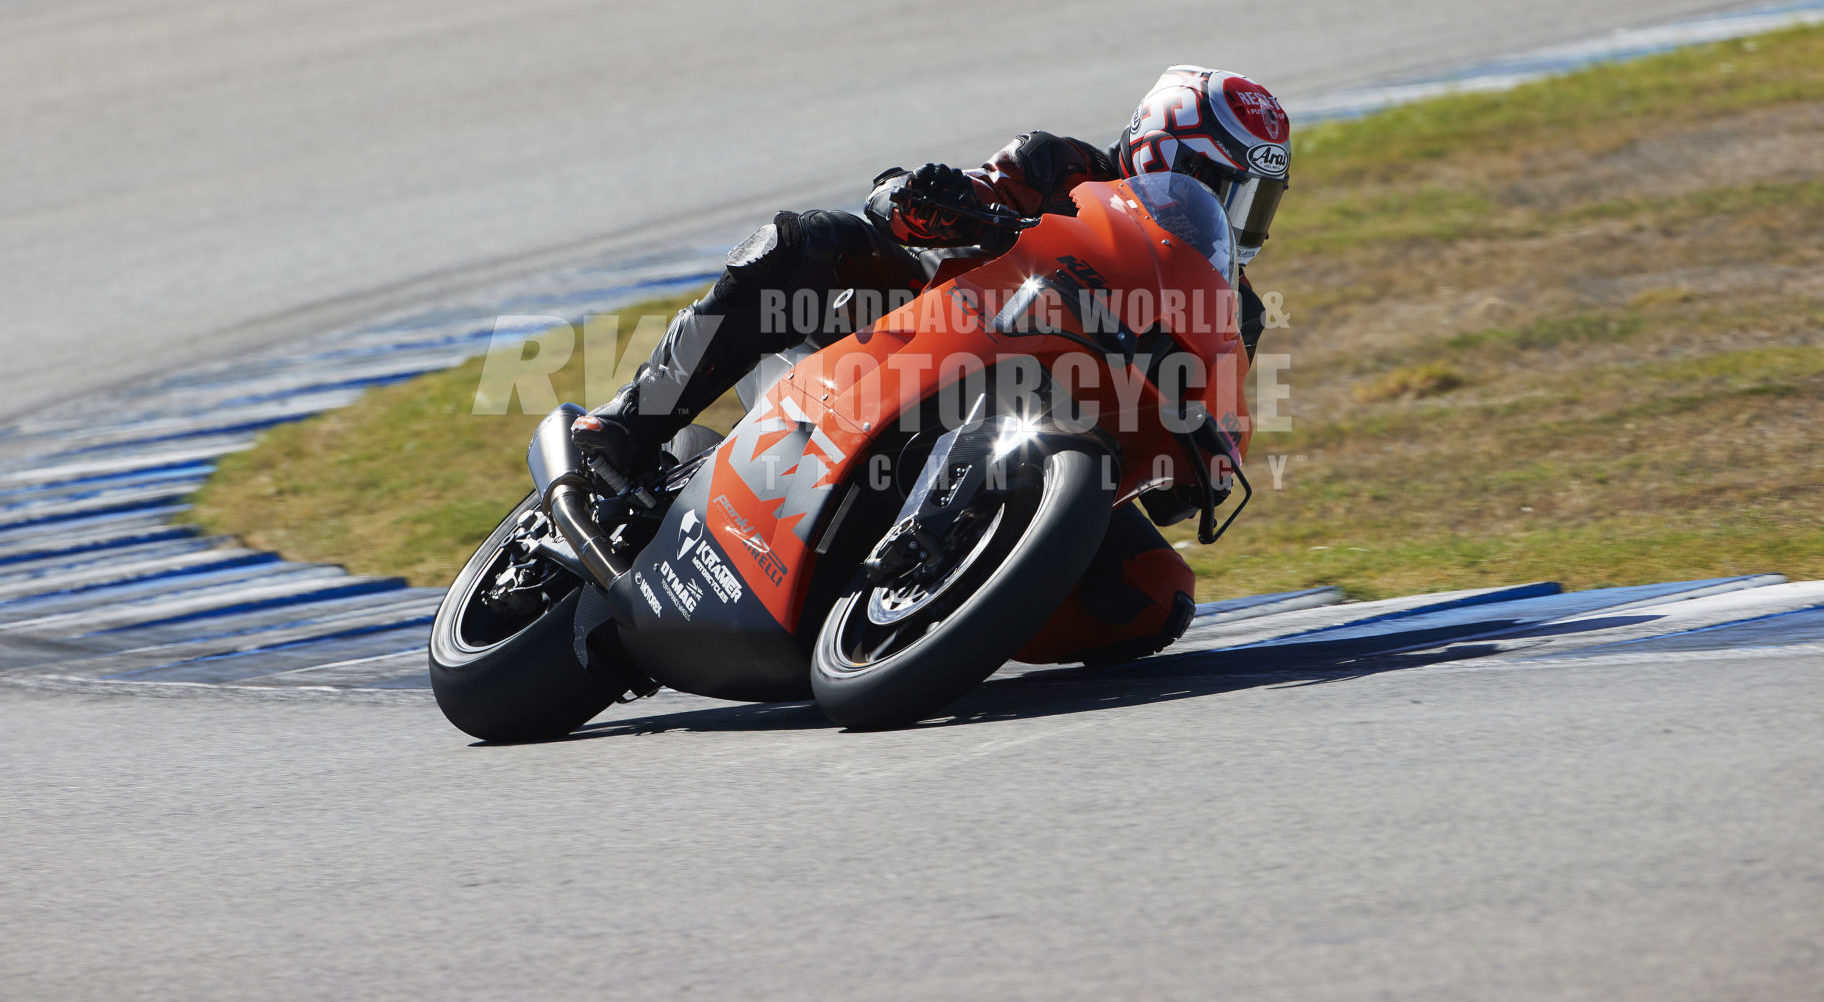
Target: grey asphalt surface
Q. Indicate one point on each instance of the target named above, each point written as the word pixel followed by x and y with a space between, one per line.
pixel 1473 831
pixel 188 178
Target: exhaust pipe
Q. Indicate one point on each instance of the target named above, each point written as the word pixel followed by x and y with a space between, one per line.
pixel 563 487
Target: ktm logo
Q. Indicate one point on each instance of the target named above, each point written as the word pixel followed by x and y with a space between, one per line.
pixel 1085 274
pixel 783 457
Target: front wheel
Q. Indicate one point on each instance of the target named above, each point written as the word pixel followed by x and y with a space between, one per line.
pixel 503 665
pixel 893 654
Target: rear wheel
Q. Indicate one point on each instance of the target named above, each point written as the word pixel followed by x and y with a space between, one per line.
pixel 892 654
pixel 503 664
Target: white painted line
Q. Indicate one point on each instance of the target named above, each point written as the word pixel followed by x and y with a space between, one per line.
pixel 355 671
pixel 1286 625
pixel 295 579
pixel 45 568
pixel 1668 617
pixel 108 572
pixel 1505 74
pixel 1314 600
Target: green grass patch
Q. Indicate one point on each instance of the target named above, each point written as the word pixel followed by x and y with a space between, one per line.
pixel 405 481
pixel 1601 108
pixel 1780 195
pixel 1343 219
pixel 1551 333
pixel 1621 551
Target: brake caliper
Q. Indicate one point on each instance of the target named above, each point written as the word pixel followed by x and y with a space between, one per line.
pixel 519 589
pixel 905 549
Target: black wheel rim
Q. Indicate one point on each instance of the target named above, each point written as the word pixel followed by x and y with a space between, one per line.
pixel 863 641
pixel 477 628
pixel 480 629
pixel 887 605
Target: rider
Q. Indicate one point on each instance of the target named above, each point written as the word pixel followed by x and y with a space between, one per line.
pixel 1221 128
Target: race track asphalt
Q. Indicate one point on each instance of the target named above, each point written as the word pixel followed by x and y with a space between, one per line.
pixel 1484 830
pixel 188 179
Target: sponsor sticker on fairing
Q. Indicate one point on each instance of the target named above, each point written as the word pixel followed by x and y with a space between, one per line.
pixel 652 598
pixel 724 582
pixel 690 529
pixel 751 542
pixel 683 594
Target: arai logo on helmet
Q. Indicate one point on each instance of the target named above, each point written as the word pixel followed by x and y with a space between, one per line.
pixel 1269 160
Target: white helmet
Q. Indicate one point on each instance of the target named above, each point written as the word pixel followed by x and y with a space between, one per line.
pixel 1222 129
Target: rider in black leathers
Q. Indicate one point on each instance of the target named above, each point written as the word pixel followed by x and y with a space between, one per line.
pixel 1136 598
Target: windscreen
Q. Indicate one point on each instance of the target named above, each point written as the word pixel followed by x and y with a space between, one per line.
pixel 1184 207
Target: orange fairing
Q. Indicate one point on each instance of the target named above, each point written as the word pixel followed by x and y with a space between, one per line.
pixel 771 490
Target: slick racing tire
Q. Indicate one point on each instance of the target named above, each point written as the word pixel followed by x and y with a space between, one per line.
pixel 509 679
pixel 889 657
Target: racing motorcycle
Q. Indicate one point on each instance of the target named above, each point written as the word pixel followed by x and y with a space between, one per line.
pixel 899 512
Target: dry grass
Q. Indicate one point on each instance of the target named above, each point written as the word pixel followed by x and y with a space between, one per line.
pixel 1572 332
pixel 1410 382
pixel 1600 360
pixel 405 482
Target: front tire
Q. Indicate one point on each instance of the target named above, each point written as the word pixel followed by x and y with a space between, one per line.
pixel 869 674
pixel 508 679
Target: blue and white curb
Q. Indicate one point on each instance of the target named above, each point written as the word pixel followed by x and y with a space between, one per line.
pixel 99 586
pixel 97 582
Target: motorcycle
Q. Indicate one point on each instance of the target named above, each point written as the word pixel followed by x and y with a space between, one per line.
pixel 879 533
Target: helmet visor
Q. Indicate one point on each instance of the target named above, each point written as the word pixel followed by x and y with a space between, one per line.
pixel 1252 203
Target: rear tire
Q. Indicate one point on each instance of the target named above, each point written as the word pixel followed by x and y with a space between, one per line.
pixel 1031 566
pixel 507 681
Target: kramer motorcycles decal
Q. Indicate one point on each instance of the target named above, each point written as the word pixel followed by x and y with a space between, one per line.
pixel 723 582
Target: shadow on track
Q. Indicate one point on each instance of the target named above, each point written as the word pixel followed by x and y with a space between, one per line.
pixel 1077 690
pixel 1046 692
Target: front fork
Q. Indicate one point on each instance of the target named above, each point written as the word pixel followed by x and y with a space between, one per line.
pixel 969 469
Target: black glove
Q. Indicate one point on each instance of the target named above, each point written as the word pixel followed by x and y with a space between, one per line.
pixel 943 184
pixel 926 213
